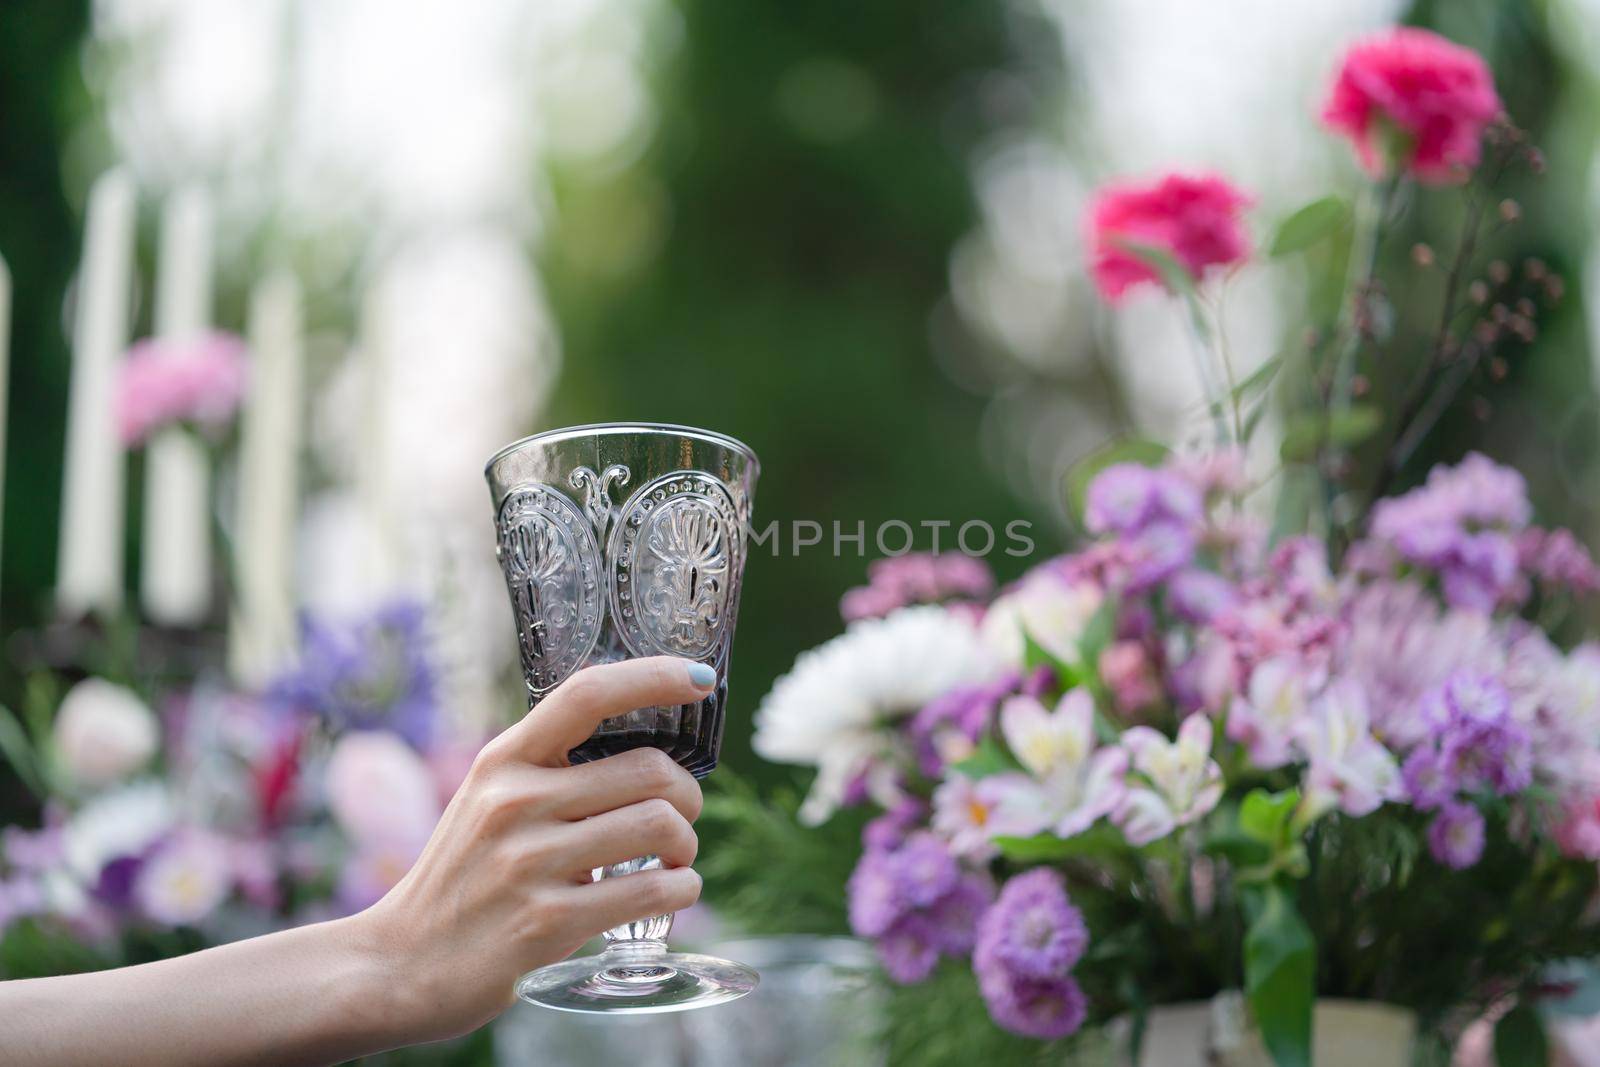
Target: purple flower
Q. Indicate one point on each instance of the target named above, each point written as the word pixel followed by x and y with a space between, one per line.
pixel 888 831
pixel 1119 498
pixel 876 899
pixel 1462 523
pixel 1456 836
pixel 924 868
pixel 909 950
pixel 916 578
pixel 370 673
pixel 1045 1008
pixel 1157 552
pixel 1033 930
pixel 949 725
pixel 953 919
pixel 1196 596
pixel 1127 499
pixel 1427 779
pixel 1476 696
pixel 1558 559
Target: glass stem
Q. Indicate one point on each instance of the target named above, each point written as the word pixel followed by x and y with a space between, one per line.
pixel 641 938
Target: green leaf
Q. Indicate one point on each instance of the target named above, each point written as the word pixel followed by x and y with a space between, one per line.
pixel 1035 655
pixel 1520 1039
pixel 1241 850
pixel 990 757
pixel 1305 434
pixel 1265 816
pixel 1098 842
pixel 1259 378
pixel 1280 972
pixel 1097 634
pixel 18 752
pixel 1309 225
pixel 1128 450
pixel 1173 274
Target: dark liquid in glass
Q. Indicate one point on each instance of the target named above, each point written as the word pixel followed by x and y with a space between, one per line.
pixel 690 733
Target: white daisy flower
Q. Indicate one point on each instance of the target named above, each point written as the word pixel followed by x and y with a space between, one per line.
pixel 835 709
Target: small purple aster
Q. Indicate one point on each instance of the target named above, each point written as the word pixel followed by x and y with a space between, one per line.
pixel 1033 930
pixel 953 919
pixel 1456 836
pixel 1045 1008
pixel 1427 779
pixel 1477 696
pixel 875 896
pixel 960 716
pixel 888 831
pixel 909 950
pixel 924 868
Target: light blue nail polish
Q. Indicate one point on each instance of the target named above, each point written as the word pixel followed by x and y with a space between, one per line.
pixel 702 676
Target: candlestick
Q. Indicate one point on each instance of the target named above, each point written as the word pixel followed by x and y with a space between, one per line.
pixel 262 630
pixel 89 569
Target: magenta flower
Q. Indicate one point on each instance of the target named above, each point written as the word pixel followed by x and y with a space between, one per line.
pixel 1438 95
pixel 1194 219
pixel 163 382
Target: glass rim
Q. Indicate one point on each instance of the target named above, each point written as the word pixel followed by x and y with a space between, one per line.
pixel 596 429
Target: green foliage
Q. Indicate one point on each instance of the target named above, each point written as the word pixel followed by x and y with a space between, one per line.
pixel 1305 434
pixel 989 757
pixel 1280 971
pixel 1100 842
pixel 1520 1040
pixel 1309 225
pixel 763 870
pixel 942 1023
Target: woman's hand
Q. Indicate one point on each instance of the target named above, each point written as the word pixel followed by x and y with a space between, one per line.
pixel 504 886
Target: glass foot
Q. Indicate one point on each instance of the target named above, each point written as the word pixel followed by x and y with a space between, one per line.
pixel 634 978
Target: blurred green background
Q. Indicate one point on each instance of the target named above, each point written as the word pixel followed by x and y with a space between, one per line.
pixel 805 243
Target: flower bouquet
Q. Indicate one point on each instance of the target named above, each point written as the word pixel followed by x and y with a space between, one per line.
pixel 230 813
pixel 1350 753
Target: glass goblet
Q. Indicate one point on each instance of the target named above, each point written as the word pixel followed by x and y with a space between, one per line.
pixel 621 541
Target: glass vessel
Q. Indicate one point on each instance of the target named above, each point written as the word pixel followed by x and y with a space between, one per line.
pixel 620 541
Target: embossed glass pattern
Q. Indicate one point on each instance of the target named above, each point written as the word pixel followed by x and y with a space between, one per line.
pixel 620 541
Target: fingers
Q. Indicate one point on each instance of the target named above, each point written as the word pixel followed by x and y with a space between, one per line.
pixel 628 778
pixel 614 901
pixel 566 718
pixel 650 827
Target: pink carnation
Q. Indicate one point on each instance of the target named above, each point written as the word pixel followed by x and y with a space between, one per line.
pixel 1196 219
pixel 163 382
pixel 1439 94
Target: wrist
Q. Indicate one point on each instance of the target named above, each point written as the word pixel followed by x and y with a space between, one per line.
pixel 371 995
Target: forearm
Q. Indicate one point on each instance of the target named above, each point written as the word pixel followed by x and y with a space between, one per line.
pixel 318 994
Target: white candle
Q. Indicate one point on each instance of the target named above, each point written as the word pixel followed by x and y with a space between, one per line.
pixel 5 376
pixel 89 567
pixel 262 630
pixel 175 576
pixel 373 471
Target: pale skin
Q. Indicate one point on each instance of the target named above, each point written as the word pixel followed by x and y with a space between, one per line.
pixel 502 887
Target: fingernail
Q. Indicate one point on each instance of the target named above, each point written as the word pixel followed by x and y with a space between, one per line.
pixel 702 676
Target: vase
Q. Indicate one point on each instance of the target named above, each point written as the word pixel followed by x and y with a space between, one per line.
pixel 1218 1033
